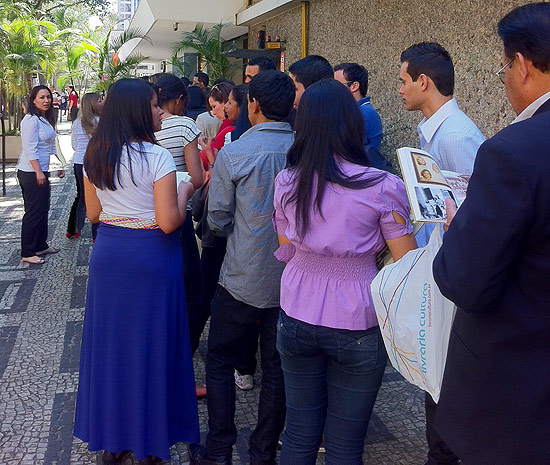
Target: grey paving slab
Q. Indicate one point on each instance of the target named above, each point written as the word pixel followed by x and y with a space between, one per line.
pixel 70 358
pixel 60 439
pixel 8 335
pixel 16 295
pixel 41 317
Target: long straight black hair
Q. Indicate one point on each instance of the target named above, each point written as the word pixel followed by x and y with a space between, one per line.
pixel 32 110
pixel 126 118
pixel 328 126
pixel 242 124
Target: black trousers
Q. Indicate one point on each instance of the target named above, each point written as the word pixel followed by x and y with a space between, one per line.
pixel 77 217
pixel 36 199
pixel 438 451
pixel 231 319
pixel 62 111
pixel 246 354
pixel 210 263
pixel 192 279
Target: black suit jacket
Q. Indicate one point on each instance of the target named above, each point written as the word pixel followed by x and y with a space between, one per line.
pixel 495 265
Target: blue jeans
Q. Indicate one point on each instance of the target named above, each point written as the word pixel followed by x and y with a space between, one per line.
pixel 332 377
pixel 231 321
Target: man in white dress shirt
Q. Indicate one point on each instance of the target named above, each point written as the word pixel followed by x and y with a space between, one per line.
pixel 452 139
pixel 427 84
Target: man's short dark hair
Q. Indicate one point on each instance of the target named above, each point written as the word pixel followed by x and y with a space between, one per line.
pixel 263 63
pixel 354 72
pixel 434 61
pixel 526 30
pixel 311 69
pixel 274 91
pixel 203 78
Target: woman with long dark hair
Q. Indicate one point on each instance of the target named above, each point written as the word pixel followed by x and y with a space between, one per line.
pixel 333 214
pixel 38 144
pixel 83 128
pixel 136 390
pixel 234 108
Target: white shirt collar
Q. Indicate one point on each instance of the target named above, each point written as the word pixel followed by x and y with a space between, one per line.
pixel 428 126
pixel 532 108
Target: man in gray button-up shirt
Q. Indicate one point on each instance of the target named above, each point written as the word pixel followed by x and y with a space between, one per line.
pixel 240 206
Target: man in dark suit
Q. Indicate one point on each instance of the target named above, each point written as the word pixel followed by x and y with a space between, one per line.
pixel 495 265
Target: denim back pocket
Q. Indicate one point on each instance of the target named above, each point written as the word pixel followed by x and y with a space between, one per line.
pixel 362 350
pixel 286 334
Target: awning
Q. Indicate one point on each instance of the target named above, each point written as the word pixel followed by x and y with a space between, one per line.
pixel 248 54
pixel 166 21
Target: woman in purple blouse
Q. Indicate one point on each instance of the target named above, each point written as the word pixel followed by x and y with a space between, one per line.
pixel 333 214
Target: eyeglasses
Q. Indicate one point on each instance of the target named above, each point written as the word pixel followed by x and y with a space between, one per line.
pixel 501 72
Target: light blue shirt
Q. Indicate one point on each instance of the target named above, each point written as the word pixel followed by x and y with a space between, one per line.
pixel 79 141
pixel 38 143
pixel 240 206
pixel 451 138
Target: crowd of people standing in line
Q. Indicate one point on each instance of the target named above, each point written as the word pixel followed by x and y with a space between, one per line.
pixel 293 202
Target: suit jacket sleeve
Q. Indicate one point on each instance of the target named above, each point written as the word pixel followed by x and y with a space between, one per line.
pixel 475 262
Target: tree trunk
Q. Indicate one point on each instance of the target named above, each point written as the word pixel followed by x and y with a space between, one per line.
pixel 10 106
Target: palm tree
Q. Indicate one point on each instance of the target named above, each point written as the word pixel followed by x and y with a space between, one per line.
pixel 209 44
pixel 24 50
pixel 109 66
pixel 76 45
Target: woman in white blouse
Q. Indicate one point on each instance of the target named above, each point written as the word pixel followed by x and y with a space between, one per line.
pixel 38 144
pixel 83 128
pixel 136 390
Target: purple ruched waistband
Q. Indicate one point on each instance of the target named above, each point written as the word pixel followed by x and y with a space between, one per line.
pixel 359 268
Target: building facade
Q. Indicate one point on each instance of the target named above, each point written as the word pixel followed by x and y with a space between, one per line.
pixel 125 10
pixel 375 32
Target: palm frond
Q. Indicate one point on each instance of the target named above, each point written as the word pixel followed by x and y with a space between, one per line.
pixel 130 34
pixel 208 43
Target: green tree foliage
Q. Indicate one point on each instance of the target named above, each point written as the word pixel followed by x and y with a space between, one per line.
pixel 77 48
pixel 52 40
pixel 25 48
pixel 210 45
pixel 44 8
pixel 109 67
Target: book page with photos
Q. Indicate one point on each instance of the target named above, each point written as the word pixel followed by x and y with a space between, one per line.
pixel 428 186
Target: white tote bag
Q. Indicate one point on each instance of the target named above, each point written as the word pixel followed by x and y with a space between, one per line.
pixel 415 319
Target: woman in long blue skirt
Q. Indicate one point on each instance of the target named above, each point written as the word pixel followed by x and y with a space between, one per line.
pixel 136 390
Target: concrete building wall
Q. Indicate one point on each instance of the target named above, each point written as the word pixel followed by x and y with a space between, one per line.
pixel 375 32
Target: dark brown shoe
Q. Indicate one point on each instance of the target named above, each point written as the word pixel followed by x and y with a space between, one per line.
pixel 107 458
pixel 151 460
pixel 125 458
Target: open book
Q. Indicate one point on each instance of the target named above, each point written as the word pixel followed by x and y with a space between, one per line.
pixel 428 186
